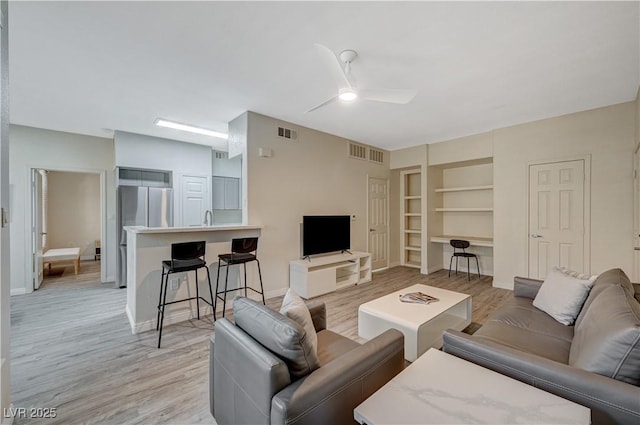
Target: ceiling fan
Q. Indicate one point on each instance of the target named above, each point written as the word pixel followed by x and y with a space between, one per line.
pixel 340 67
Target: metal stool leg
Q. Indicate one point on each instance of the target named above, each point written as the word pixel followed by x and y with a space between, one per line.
pixel 450 261
pixel 456 266
pixel 211 293
pixel 164 302
pixel 261 286
pixel 478 266
pixel 245 279
pixel 468 271
pixel 226 283
pixel 160 299
pixel 215 302
pixel 197 294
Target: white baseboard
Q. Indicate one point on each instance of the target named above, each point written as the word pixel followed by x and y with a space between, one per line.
pixel 394 264
pixel 503 285
pixel 18 291
pixel 434 269
pixel 275 293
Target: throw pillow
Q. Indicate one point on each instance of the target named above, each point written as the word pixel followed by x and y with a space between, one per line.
pixel 561 296
pixel 279 334
pixel 295 309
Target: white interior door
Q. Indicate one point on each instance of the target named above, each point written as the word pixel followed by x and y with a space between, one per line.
pixel 557 217
pixel 38 234
pixel 195 200
pixel 378 223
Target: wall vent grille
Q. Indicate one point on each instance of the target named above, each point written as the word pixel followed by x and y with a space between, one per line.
pixel 221 155
pixel 287 133
pixel 357 151
pixel 376 156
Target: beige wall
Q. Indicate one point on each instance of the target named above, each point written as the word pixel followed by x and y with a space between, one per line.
pixel 73 216
pixel 310 175
pixel 606 134
pixel 54 150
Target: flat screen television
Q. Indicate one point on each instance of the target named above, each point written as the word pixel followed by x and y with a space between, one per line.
pixel 325 233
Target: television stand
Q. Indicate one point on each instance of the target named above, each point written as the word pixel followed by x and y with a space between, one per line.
pixel 324 274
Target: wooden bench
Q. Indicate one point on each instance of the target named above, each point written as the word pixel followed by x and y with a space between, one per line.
pixel 62 256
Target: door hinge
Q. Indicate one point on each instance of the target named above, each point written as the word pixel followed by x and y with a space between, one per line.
pixel 5 218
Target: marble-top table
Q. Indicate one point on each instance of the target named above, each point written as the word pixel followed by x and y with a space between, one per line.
pixel 439 388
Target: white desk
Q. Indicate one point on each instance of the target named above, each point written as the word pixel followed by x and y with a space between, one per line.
pixel 421 324
pixel 439 388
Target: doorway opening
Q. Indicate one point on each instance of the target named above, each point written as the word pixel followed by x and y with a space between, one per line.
pixel 67 227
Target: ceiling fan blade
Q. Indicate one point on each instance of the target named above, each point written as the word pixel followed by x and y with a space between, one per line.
pixel 388 95
pixel 334 65
pixel 326 102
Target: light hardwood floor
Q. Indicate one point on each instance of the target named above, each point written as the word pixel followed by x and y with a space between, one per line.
pixel 72 348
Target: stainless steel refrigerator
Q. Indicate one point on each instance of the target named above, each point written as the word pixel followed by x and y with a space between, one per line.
pixel 140 206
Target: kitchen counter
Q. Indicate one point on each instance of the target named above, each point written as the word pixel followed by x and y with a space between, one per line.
pixel 147 247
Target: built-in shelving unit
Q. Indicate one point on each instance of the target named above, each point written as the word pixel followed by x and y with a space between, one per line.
pixel 411 216
pixel 462 203
pixel 464 189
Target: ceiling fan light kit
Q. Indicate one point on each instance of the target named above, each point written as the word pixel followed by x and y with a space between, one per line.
pixel 340 67
pixel 348 95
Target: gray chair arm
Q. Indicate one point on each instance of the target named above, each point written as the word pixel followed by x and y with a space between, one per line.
pixel 329 394
pixel 525 287
pixel 610 401
pixel 318 315
pixel 243 375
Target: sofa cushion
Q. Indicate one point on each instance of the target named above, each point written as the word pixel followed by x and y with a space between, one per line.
pixel 295 309
pixel 332 345
pixel 562 295
pixel 279 334
pixel 608 339
pixel 518 324
pixel 602 282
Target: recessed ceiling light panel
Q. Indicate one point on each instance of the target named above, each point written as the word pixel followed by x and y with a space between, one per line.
pixel 190 128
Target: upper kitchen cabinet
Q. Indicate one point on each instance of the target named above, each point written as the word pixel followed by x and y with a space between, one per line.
pixel 226 193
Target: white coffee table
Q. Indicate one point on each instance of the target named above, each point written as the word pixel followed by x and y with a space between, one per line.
pixel 439 388
pixel 422 325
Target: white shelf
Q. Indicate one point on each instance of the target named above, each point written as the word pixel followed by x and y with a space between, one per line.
pixel 413 231
pixel 412 248
pixel 412 197
pixel 412 214
pixel 473 240
pixel 464 189
pixel 464 209
pixel 412 264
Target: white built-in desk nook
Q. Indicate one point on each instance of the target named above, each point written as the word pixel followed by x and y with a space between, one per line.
pixel 147 247
pixel 327 273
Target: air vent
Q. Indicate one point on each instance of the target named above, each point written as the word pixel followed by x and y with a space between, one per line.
pixel 221 155
pixel 376 156
pixel 357 151
pixel 287 133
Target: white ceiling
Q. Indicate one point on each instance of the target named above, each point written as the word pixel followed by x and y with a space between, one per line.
pixel 91 68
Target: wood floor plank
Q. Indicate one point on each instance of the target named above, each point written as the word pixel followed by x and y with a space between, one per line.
pixel 72 348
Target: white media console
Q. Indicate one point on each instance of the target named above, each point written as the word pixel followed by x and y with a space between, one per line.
pixel 324 274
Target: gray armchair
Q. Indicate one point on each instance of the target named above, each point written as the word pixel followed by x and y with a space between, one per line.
pixel 250 384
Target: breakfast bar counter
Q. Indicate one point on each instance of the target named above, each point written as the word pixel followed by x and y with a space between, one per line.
pixel 147 247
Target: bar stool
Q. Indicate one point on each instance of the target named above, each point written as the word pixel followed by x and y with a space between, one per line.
pixel 463 245
pixel 241 253
pixel 185 257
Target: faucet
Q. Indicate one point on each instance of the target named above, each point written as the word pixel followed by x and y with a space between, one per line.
pixel 208 218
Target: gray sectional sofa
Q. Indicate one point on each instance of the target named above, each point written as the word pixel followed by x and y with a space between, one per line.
pixel 595 362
